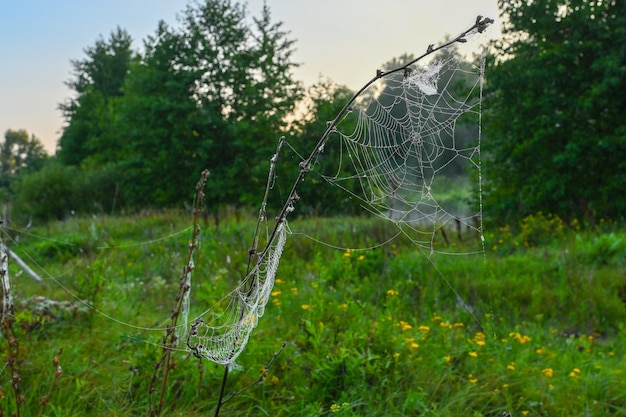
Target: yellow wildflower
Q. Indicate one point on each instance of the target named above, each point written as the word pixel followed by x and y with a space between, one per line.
pixel 548 372
pixel 392 292
pixel 360 258
pixel 473 354
pixel 424 329
pixel 276 293
pixel 511 366
pixel 447 358
pixel 404 325
pixel 575 372
pixel 414 345
pixel 305 306
pixel 396 355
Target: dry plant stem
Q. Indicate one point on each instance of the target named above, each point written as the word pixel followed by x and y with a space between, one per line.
pixel 479 25
pixel 12 359
pixel 252 253
pixel 170 339
pixel 57 374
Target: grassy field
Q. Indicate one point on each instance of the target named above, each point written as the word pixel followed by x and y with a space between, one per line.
pixel 535 326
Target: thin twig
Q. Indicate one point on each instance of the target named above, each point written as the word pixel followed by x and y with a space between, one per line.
pixel 170 339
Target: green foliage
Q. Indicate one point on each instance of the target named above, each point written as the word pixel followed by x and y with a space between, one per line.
pixel 58 191
pixel 98 82
pixel 213 93
pixel 20 153
pixel 556 138
pixel 373 332
pixel 48 194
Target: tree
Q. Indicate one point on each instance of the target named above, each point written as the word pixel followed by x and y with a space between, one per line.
pixel 20 153
pixel 555 131
pixel 214 94
pixel 98 83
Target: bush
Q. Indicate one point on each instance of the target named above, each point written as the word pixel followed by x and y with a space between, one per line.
pixel 51 193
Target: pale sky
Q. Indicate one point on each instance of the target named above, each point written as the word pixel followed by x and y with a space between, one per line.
pixel 344 40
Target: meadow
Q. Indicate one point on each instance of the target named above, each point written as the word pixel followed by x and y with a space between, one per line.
pixel 533 326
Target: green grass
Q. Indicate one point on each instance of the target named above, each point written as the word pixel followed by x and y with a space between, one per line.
pixel 535 326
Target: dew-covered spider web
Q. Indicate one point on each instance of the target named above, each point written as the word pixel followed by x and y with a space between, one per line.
pixel 224 342
pixel 398 148
pixel 408 149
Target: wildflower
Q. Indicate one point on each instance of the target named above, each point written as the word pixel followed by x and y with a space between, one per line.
pixel 294 290
pixel 472 379
pixel 396 355
pixel 520 338
pixel 278 281
pixel 541 351
pixel 343 306
pixel 274 380
pixel 335 408
pixel 457 325
pixel 548 372
pixel 347 253
pixel 447 358
pixel 424 329
pixel 511 366
pixel 404 325
pixel 473 354
pixel 392 292
pixel 276 293
pixel 525 412
pixel 305 306
pixel 437 318
pixel 575 372
pixel 360 258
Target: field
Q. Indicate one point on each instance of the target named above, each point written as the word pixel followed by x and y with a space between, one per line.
pixel 534 326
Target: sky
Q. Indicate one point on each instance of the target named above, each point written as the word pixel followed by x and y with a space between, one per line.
pixel 344 40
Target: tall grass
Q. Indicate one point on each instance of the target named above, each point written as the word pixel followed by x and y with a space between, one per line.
pixel 535 330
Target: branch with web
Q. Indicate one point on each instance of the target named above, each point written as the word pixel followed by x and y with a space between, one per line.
pixel 392 145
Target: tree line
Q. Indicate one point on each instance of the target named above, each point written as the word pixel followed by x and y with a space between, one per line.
pixel 217 91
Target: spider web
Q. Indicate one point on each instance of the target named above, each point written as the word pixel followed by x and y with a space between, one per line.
pixel 405 143
pixel 395 151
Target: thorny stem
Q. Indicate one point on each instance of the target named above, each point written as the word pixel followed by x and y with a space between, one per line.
pixel 479 26
pixel 170 339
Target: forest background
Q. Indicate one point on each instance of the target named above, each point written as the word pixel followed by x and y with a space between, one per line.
pixel 216 91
